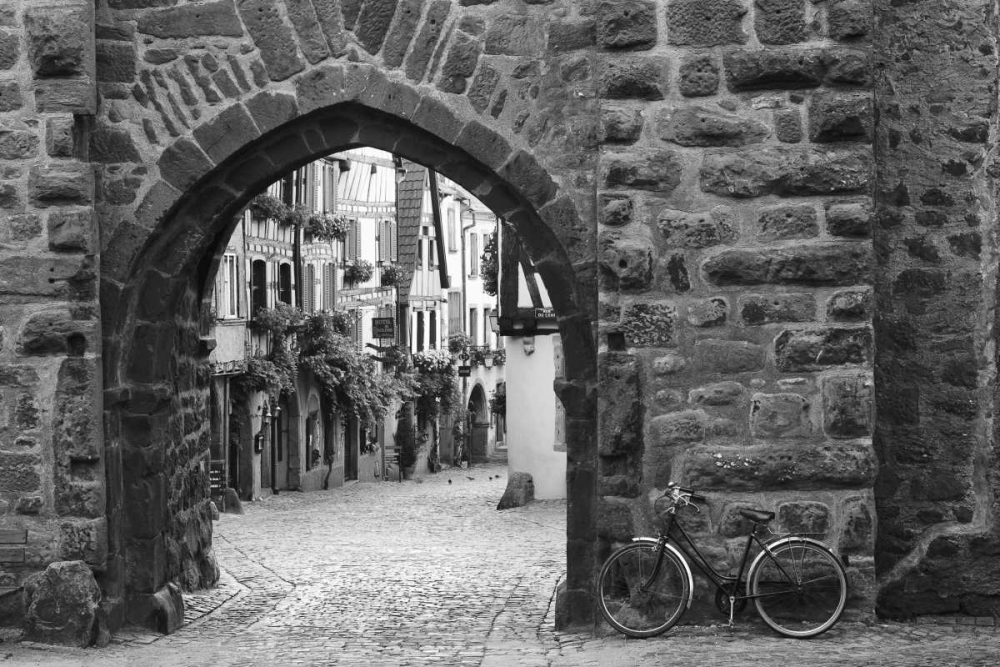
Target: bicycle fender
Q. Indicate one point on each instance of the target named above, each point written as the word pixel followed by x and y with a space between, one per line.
pixel 780 541
pixel 681 558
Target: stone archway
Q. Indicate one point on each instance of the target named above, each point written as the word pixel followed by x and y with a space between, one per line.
pixel 152 331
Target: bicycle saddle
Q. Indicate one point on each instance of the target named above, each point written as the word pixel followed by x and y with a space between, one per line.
pixel 757 515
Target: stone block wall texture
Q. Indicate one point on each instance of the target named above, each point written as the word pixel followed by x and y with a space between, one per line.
pixel 736 270
pixel 787 318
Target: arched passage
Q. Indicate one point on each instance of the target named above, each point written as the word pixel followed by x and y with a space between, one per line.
pixel 154 356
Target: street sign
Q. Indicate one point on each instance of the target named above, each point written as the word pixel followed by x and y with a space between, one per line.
pixel 383 327
pixel 545 313
pixel 464 371
pixel 464 356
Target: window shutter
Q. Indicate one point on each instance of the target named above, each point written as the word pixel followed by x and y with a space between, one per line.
pixel 392 240
pixel 473 254
pixel 352 240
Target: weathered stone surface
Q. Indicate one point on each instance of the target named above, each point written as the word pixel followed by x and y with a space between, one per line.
pixel 17 141
pixel 708 313
pixel 659 171
pixel 628 24
pixel 850 305
pixel 49 332
pixel 117 62
pixel 272 36
pixel 60 136
pixel 10 48
pixel 513 35
pixel 812 518
pixel 848 403
pixel 460 64
pixel 85 540
pixel 620 404
pixel 519 492
pixel 649 324
pixel 719 393
pixel 700 126
pixel 698 76
pixel 777 223
pixel 840 117
pixel 815 349
pixel 621 125
pixel 627 262
pixel 728 356
pixel 19 229
pixel 784 172
pixel 775 416
pixel 771 467
pixel 677 428
pixel 62 605
pixel 761 309
pixel 70 229
pixel 780 21
pixel 110 144
pixel 858 525
pixel 669 364
pixel 697 230
pixel 849 19
pixel 19 472
pixel 423 46
pixel 706 22
pixel 774 69
pixel 211 18
pixel 848 218
pixel 614 520
pixel 61 183
pixel 634 78
pixel 59 39
pixel 10 96
pixel 788 126
pixel 815 265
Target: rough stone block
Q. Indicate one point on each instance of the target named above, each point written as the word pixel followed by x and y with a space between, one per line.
pixel 669 364
pixel 183 163
pixel 572 35
pixel 18 230
pixel 780 21
pixel 774 69
pixel 425 43
pixel 659 171
pixel 707 313
pixel 840 117
pixel 699 76
pixel 60 136
pixel 649 324
pixel 700 126
pixel 634 78
pixel 731 522
pixel 848 404
pixel 50 331
pixel 62 183
pixel 110 144
pixel 59 39
pixel 719 393
pixel 778 223
pixel 270 110
pixel 621 126
pixel 812 518
pixel 10 96
pixel 226 133
pixel 850 305
pixel 798 350
pixel 775 416
pixel 519 492
pixel 459 64
pixel 815 265
pixel 678 428
pixel 10 48
pixel 728 357
pixel 70 229
pixel 706 22
pixel 62 605
pixel 274 37
pixel 767 309
pixel 208 19
pixel 697 230
pixel 626 262
pixel 76 96
pixel 628 24
pixel 514 35
pixel 19 472
pixel 17 141
pixel 373 23
pixel 847 67
pixel 771 467
pixel 784 172
pixel 849 218
pixel 788 126
pixel 86 541
pixel 614 521
pixel 849 19
pixel 616 210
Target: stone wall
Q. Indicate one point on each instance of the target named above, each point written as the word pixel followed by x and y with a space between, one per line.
pixel 52 491
pixel 736 269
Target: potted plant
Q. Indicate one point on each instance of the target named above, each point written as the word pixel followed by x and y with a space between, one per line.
pixel 325 226
pixel 359 271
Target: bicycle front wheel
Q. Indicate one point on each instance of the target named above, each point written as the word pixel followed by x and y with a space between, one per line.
pixel 800 590
pixel 632 599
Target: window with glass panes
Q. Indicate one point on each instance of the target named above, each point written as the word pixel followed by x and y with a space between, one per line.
pixel 228 302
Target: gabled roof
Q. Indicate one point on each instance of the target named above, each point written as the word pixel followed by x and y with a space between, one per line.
pixel 409 217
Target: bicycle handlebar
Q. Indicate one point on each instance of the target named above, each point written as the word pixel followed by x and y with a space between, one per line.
pixel 675 488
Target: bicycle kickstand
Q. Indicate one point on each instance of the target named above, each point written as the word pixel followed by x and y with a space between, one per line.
pixel 732 607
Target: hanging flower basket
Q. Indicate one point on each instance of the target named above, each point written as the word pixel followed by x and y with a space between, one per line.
pixel 359 271
pixel 325 226
pixel 391 275
pixel 266 207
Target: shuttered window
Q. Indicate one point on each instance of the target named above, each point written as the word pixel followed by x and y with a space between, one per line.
pixel 309 289
pixel 393 254
pixel 352 240
pixel 473 254
pixel 329 285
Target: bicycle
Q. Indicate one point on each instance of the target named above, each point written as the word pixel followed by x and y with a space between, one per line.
pixel 797 583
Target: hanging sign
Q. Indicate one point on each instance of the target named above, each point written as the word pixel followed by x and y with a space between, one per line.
pixel 464 371
pixel 383 327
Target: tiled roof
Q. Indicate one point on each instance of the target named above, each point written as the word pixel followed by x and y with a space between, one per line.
pixel 409 214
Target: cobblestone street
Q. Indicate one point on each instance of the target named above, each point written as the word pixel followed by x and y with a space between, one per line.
pixel 431 574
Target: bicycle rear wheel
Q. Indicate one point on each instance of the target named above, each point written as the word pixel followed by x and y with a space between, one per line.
pixel 635 603
pixel 802 587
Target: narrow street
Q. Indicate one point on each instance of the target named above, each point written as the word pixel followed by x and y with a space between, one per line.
pixel 429 573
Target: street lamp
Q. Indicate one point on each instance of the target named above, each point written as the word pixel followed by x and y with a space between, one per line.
pixel 494 321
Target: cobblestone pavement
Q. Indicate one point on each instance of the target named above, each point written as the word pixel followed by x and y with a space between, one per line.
pixel 431 574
